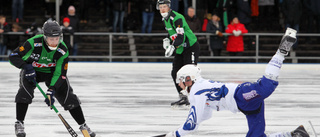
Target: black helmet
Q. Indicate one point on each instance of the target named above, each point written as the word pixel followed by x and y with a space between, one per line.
pixel 168 2
pixel 51 29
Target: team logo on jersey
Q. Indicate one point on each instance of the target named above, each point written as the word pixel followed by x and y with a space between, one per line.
pixel 61 51
pixel 191 122
pixel 66 66
pixel 250 95
pixel 45 58
pixel 21 49
pixel 39 65
pixel 37 44
pixel 180 30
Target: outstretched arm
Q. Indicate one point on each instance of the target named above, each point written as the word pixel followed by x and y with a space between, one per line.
pixel 195 116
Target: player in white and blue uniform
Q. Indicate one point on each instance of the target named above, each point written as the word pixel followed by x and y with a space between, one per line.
pixel 207 95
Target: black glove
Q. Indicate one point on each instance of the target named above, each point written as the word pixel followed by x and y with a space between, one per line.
pixel 50 100
pixel 30 74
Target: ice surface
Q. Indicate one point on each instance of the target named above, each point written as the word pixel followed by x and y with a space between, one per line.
pixel 133 100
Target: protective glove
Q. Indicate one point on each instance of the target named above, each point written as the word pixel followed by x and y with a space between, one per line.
pixel 30 74
pixel 166 43
pixel 50 100
pixel 184 92
pixel 169 51
pixel 171 134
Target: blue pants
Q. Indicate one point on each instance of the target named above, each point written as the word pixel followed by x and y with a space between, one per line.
pixel 147 20
pixel 250 100
pixel 118 17
pixel 17 9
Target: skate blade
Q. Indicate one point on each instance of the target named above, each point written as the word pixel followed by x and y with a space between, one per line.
pixel 21 135
pixel 180 107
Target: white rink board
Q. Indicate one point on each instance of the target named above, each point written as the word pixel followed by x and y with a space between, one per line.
pixel 133 100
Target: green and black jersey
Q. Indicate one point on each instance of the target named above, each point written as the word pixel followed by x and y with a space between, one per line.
pixel 54 62
pixel 183 37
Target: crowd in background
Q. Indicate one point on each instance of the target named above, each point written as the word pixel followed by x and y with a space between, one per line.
pixel 214 16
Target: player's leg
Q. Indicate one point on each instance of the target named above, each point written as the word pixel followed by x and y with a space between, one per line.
pixel 273 68
pixel 23 99
pixel 256 123
pixel 70 101
pixel 176 65
pixel 189 56
pixel 250 95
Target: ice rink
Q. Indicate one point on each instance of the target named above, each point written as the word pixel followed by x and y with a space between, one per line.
pixel 133 100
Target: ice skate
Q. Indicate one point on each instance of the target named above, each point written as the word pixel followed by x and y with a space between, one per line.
pixel 86 127
pixel 182 103
pixel 300 132
pixel 19 129
pixel 287 41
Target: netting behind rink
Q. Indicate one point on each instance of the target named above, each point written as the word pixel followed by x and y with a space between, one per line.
pixel 133 100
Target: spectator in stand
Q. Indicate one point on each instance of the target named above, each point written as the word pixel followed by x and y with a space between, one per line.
pixel 235 42
pixel 17 10
pixel 4 27
pixel 33 30
pixel 292 11
pixel 148 8
pixel 206 19
pixel 216 42
pixel 84 6
pixel 67 32
pixel 225 10
pixel 13 40
pixel 119 8
pixel 244 15
pixel 74 23
pixel 193 22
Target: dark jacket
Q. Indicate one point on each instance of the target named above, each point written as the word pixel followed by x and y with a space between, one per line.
pixel 74 23
pixel 148 5
pixel 244 11
pixel 194 23
pixel 4 38
pixel 67 32
pixel 216 42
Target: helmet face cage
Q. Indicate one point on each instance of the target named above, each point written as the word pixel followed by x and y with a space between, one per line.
pixel 159 2
pixel 52 29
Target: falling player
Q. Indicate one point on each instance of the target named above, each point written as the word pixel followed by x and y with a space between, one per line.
pixel 207 95
pixel 44 58
pixel 181 42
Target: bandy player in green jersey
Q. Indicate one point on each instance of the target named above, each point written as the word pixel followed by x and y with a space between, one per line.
pixel 181 43
pixel 44 58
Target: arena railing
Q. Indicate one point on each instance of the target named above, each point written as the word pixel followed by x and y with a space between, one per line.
pixel 135 58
